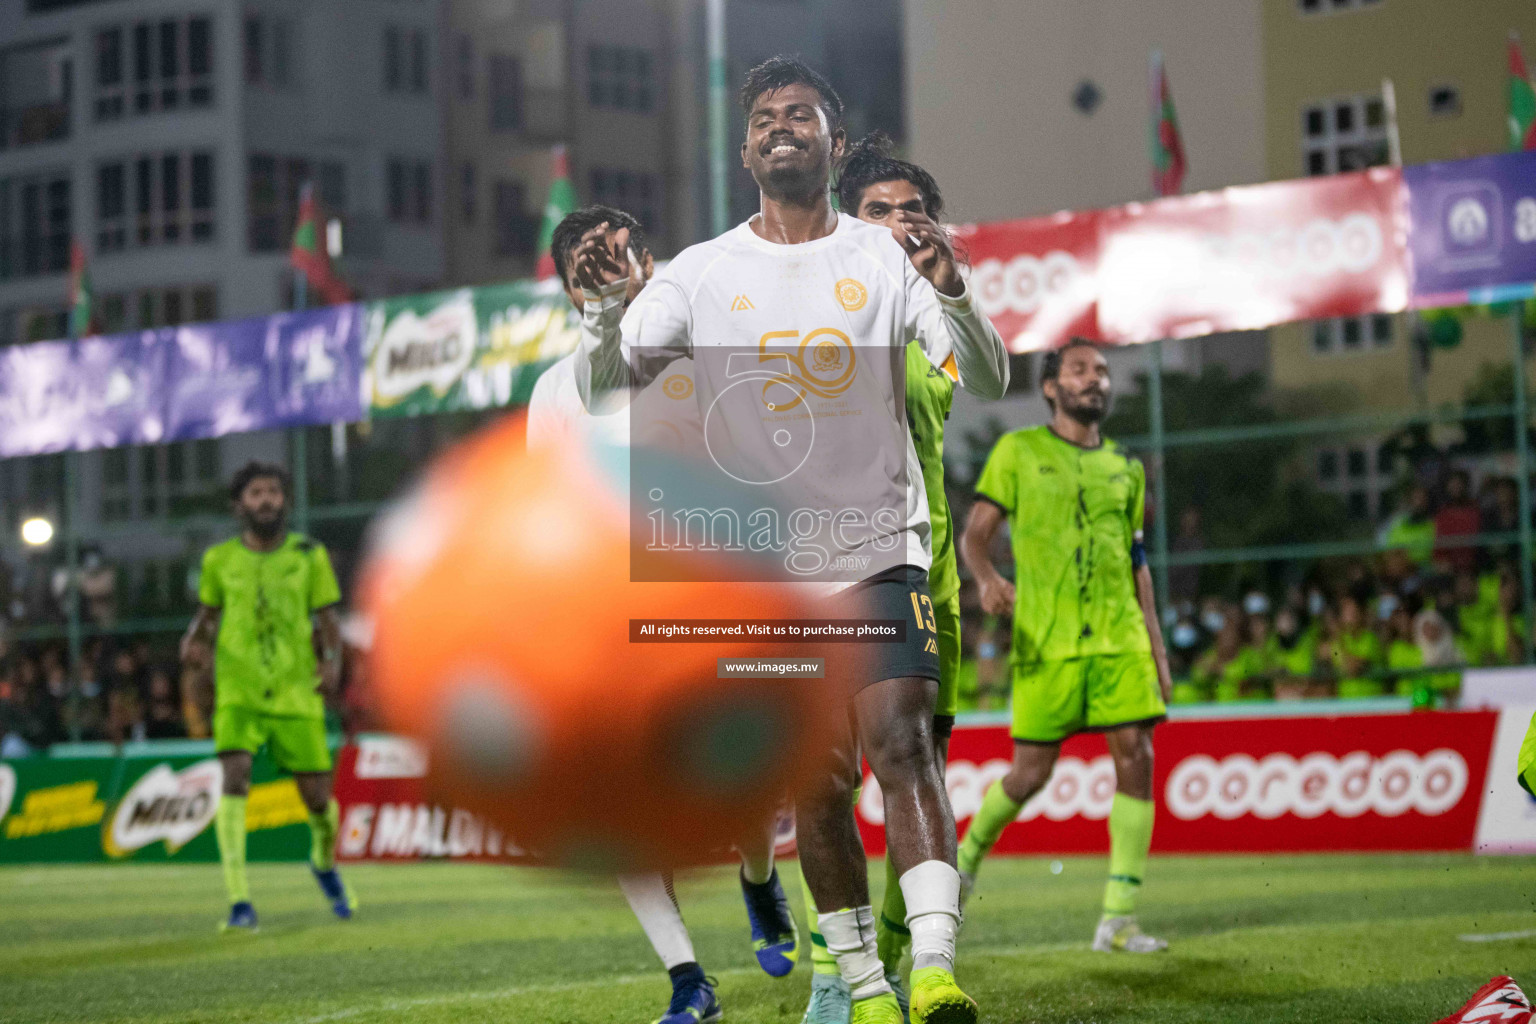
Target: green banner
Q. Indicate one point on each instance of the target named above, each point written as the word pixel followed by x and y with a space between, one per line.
pixel 75 809
pixel 466 349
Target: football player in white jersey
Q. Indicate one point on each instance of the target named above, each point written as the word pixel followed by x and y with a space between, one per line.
pixel 555 411
pixel 796 272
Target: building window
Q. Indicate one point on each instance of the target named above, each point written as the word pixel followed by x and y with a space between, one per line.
pixel 467 193
pixel 274 187
pixel 1348 134
pixel 111 208
pixel 1353 333
pixel 1327 466
pixel 115 499
pixel 160 307
pixel 620 77
pixel 34 94
pixel 505 105
pixel 405 60
pixel 172 200
pixel 466 68
pixel 35 224
pixel 409 189
pixel 516 233
pixel 1445 101
pixel 1333 6
pixel 268 51
pixel 631 191
pixel 171 65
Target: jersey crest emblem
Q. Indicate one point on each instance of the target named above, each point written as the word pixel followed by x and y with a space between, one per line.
pixel 851 295
pixel 678 386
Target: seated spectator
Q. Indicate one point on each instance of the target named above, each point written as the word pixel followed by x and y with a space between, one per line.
pixel 1295 655
pixel 1437 649
pixel 1353 649
pixel 162 708
pixel 1414 528
pixel 1458 517
pixel 1473 614
pixel 1210 670
pixel 1502 638
pixel 123 691
pixel 1250 675
pixel 1501 515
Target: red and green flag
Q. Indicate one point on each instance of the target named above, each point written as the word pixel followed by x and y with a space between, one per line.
pixel 562 201
pixel 309 256
pixel 1522 100
pixel 1168 163
pixel 82 297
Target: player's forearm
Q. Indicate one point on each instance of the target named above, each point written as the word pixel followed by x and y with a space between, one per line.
pixel 980 354
pixel 973 554
pixel 1146 596
pixel 602 369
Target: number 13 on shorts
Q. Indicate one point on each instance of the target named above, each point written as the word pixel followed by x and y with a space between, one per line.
pixel 922 611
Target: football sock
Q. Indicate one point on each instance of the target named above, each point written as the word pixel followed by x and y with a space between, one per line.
pixel 1130 837
pixel 322 837
pixel 684 973
pixel 655 905
pixel 229 829
pixel 757 856
pixel 850 936
pixel 932 890
pixel 822 960
pixel 894 937
pixel 998 811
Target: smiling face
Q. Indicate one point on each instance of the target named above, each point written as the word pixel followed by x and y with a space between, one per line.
pixel 791 147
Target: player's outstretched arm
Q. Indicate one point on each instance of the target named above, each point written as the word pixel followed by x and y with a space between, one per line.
pixel 940 312
pixel 1146 596
pixel 602 267
pixel 997 594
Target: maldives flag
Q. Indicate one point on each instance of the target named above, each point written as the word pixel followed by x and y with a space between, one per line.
pixel 82 297
pixel 308 254
pixel 562 201
pixel 1522 100
pixel 1168 164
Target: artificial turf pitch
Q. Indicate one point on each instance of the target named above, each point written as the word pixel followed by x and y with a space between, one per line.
pixel 1304 939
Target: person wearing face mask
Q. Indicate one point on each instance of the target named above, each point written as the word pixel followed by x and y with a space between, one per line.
pixel 1250 676
pixel 1183 648
pixel 1295 645
pixel 1216 670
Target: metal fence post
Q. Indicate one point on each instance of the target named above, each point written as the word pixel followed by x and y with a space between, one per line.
pixel 1523 474
pixel 1160 473
pixel 74 628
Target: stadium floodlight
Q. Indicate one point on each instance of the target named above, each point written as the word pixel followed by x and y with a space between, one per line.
pixel 37 531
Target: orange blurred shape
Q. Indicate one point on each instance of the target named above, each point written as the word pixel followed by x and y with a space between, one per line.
pixel 500 597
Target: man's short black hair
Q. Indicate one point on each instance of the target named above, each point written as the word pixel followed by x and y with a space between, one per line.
pixel 869 162
pixel 1050 363
pixel 775 73
pixel 257 470
pixel 577 223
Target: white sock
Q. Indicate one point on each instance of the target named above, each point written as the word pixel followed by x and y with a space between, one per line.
pixel 932 891
pixel 652 900
pixel 757 855
pixel 850 936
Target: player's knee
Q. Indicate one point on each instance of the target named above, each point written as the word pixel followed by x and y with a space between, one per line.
pixel 1025 779
pixel 902 754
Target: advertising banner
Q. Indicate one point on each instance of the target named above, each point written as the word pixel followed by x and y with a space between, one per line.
pixel 474 348
pixel 1036 279
pixel 140 808
pixel 1507 822
pixel 290 369
pixel 98 393
pixel 1352 782
pixel 385 815
pixel 1246 258
pixel 1472 230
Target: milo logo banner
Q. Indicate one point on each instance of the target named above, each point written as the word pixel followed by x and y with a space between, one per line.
pixel 472 348
pixel 140 808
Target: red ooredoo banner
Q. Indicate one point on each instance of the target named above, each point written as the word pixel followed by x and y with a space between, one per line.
pixel 1036 279
pixel 1354 782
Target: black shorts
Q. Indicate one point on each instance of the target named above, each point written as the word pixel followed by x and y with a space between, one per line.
pixel 899 594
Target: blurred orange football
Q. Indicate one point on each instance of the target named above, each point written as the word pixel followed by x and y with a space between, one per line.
pixel 500 598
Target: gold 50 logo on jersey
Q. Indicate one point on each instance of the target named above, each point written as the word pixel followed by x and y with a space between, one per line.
pixel 822 363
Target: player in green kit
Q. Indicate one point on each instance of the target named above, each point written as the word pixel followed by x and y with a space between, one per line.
pixel 1087 649
pixel 1525 764
pixel 876 187
pixel 266 600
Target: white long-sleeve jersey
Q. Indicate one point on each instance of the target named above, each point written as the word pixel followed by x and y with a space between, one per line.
pixel 821 304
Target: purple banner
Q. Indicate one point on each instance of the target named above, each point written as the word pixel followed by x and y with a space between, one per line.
pixel 1472 230
pixel 179 383
pixel 279 371
pixel 96 393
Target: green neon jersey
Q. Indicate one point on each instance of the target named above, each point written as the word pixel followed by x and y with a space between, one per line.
pixel 930 391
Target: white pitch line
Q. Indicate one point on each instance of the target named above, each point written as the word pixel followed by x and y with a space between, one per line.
pixel 1499 936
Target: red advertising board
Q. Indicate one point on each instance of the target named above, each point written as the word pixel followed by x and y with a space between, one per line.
pixel 1037 279
pixel 1247 258
pixel 1351 782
